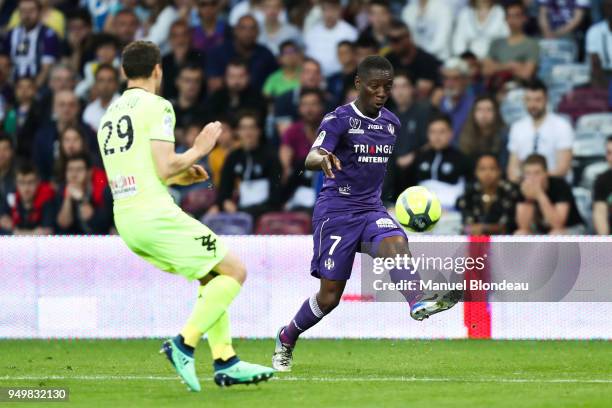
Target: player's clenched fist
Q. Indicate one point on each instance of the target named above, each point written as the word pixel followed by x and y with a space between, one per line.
pixel 206 140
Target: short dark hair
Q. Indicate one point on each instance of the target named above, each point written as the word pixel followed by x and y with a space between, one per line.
pixel 373 63
pixel 104 39
pixel 404 73
pixel 441 117
pixel 366 41
pixel 246 113
pixel 609 139
pixel 397 24
pixel 346 43
pixel 238 62
pixel 26 167
pixel 514 3
pixel 38 3
pixel 107 67
pixel 80 14
pixel 191 66
pixel 468 55
pixel 139 59
pixel 288 43
pixel 5 137
pixel 382 3
pixel 331 2
pixel 537 159
pixel 313 91
pixel 128 11
pixel 83 156
pixel 311 61
pixel 536 85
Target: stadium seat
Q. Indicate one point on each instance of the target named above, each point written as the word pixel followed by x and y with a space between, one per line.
pixel 197 201
pixel 230 224
pixel 584 203
pixel 555 52
pixel 513 107
pixel 284 223
pixel 584 101
pixel 573 74
pixel 596 122
pixel 590 173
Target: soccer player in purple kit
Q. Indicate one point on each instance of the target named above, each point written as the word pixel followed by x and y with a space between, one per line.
pixel 353 146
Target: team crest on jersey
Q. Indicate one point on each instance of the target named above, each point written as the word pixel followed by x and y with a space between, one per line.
pixel 355 126
pixel 329 264
pixel 385 223
pixel 391 128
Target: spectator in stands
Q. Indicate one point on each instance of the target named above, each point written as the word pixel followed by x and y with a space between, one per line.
pixel 72 143
pixel 517 55
pixel 414 117
pixel 287 77
pixel 540 132
pixel 547 205
pixel 274 32
pixel 33 47
pixel 599 48
pixel 84 205
pixel 25 116
pixel 485 132
pixel 431 23
pixel 79 39
pixel 216 158
pixel 298 183
pixel 253 8
pixel 286 105
pixel 7 166
pixel 477 81
pixel 478 24
pixel 458 96
pixel 125 26
pixel 340 82
pixel 237 94
pixel 212 30
pixel 188 106
pixel 406 56
pixel 260 61
pixel 439 166
pixel 31 210
pixel 488 206
pixel 105 88
pixel 250 173
pixel 366 46
pixel 602 197
pixel 322 39
pixel 61 78
pixel 379 19
pixel 162 14
pixel 49 16
pixel 65 114
pixel 182 54
pixel 561 18
pixel 106 50
pixel 6 84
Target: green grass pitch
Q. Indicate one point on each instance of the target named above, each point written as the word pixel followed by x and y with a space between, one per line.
pixel 327 373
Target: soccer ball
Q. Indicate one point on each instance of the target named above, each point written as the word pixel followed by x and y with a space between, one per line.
pixel 418 209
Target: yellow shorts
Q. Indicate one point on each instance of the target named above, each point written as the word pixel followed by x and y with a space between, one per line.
pixel 171 240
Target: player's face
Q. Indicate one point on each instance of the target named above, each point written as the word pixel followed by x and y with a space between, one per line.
pixel 26 186
pixel 72 142
pixel 484 113
pixel 375 89
pixel 6 154
pixel 439 135
pixel 487 171
pixel 535 173
pixel 535 101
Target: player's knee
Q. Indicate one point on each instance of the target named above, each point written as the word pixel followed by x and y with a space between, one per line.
pixel 391 246
pixel 231 266
pixel 328 301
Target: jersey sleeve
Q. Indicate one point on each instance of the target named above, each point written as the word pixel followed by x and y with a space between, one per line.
pixel 162 121
pixel 329 133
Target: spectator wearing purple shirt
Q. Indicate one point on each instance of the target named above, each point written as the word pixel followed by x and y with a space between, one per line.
pixel 458 97
pixel 559 18
pixel 32 47
pixel 211 30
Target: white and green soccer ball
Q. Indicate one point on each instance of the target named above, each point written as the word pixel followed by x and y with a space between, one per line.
pixel 418 209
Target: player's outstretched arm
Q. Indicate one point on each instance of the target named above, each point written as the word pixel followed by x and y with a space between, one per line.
pixel 322 160
pixel 169 164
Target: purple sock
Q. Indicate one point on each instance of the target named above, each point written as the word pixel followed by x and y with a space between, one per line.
pixel 308 315
pixel 398 275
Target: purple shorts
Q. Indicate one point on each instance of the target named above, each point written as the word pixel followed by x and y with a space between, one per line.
pixel 337 238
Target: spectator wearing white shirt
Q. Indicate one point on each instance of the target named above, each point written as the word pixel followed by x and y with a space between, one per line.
pixel 157 28
pixel 105 89
pixel 477 26
pixel 322 40
pixel 273 32
pixel 599 47
pixel 540 132
pixel 253 8
pixel 431 25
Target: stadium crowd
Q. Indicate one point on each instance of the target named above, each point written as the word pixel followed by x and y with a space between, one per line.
pixel 504 106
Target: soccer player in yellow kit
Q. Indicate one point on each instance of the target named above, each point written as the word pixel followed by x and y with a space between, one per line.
pixel 136 139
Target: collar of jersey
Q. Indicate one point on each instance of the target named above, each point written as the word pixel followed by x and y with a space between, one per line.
pixel 358 112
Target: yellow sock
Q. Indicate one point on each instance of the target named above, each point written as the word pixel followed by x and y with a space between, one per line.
pixel 220 339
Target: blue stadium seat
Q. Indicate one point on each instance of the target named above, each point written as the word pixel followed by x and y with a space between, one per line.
pixel 230 224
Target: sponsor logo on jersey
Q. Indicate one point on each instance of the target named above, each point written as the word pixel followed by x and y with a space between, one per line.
pixel 329 264
pixel 123 186
pixel 373 153
pixel 355 126
pixel 391 128
pixel 344 190
pixel 375 127
pixel 385 223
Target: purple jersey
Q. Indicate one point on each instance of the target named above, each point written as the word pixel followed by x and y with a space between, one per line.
pixel 363 145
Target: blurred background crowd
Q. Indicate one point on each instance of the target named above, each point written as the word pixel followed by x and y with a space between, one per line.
pixel 505 106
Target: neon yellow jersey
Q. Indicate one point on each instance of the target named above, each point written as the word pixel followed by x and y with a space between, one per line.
pixel 124 137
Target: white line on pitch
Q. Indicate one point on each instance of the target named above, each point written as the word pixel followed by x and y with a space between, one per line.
pixel 320 379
